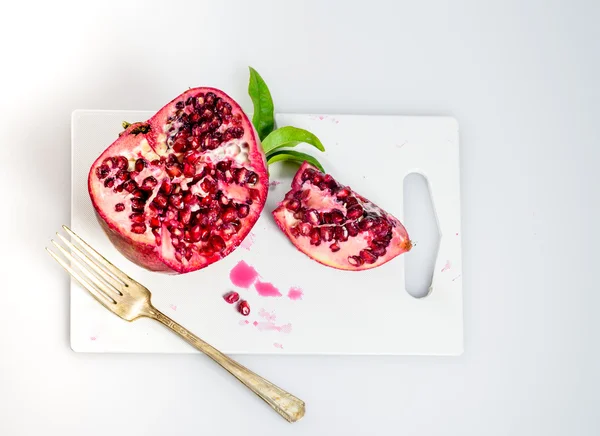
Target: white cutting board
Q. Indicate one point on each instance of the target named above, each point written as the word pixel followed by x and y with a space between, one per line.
pixel 340 312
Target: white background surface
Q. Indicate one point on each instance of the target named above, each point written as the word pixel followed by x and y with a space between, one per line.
pixel 521 78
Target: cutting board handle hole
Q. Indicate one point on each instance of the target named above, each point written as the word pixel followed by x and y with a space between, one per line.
pixel 421 223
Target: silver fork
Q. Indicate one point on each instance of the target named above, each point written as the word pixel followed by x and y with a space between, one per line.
pixel 129 300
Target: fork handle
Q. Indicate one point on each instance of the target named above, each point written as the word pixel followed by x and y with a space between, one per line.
pixel 284 403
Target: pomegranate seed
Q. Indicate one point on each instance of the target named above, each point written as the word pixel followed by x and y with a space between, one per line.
pixel 110 162
pixel 368 256
pixel 118 188
pixel 110 182
pixel 317 178
pixel 315 236
pixel 176 200
pixel 102 171
pixel 138 228
pixel 231 297
pixel 343 193
pixel 157 237
pixel 229 214
pixel 189 170
pixel 352 229
pixel 337 216
pixel 308 174
pixel 355 260
pixel 351 201
pixel 122 175
pixel 166 186
pixel 208 185
pixel 326 234
pixel 138 203
pixel 293 205
pixel 243 210
pixel 176 232
pixel 224 165
pixel 366 224
pixel 119 207
pixel 154 222
pixel 195 233
pixel 160 200
pixel 299 215
pixel 217 243
pixel 237 120
pixel 140 164
pixel 185 215
pixel 178 256
pixel 137 217
pixel 313 217
pixel 179 105
pixel 205 235
pixel 326 218
pixel 240 175
pixel 244 308
pixel 173 169
pixel 378 250
pixel 355 212
pixel 304 229
pixel 189 253
pixel 295 231
pixel 334 247
pixel 129 185
pixel 252 178
pixel 149 183
pixel 341 234
pixel 138 193
pixel 121 162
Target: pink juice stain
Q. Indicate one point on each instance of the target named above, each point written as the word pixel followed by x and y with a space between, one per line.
pixel 447 266
pixel 295 293
pixel 243 275
pixel 266 289
pixel 278 345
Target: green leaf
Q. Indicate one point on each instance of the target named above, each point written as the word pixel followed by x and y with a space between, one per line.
pixel 295 156
pixel 263 117
pixel 289 136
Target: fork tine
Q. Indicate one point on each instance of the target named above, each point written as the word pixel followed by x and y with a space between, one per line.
pixel 101 272
pixel 99 285
pixel 99 296
pixel 105 263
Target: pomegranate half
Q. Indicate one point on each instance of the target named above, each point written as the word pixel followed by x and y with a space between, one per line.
pixel 183 189
pixel 336 226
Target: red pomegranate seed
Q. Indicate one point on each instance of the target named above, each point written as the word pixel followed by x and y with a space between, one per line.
pixel 129 185
pixel 341 233
pixel 110 182
pixel 189 170
pixel 185 215
pixel 119 207
pixel 244 308
pixel 154 222
pixel 313 217
pixel 326 234
pixel 304 229
pixel 195 233
pixel 173 169
pixel 102 171
pixel 378 250
pixel 315 236
pixel 110 162
pixel 229 214
pixel 216 242
pixel 240 175
pixel 166 186
pixel 252 178
pixel 137 217
pixel 368 256
pixel 293 205
pixel 337 216
pixel 231 297
pixel 205 235
pixel 366 224
pixel 140 164
pixel 138 228
pixel 295 231
pixel 138 203
pixel 121 162
pixel 351 201
pixel 334 247
pixel 355 212
pixel 224 165
pixel 355 260
pixel 149 183
pixel 160 200
pixel 157 237
pixel 308 174
pixel 176 200
pixel 352 229
pixel 343 193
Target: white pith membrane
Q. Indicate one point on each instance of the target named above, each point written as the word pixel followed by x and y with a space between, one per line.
pixel 336 226
pixel 201 148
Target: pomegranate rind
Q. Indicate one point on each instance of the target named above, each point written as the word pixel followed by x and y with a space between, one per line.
pixel 148 140
pixel 325 201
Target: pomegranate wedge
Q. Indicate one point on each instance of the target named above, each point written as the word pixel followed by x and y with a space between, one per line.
pixel 336 226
